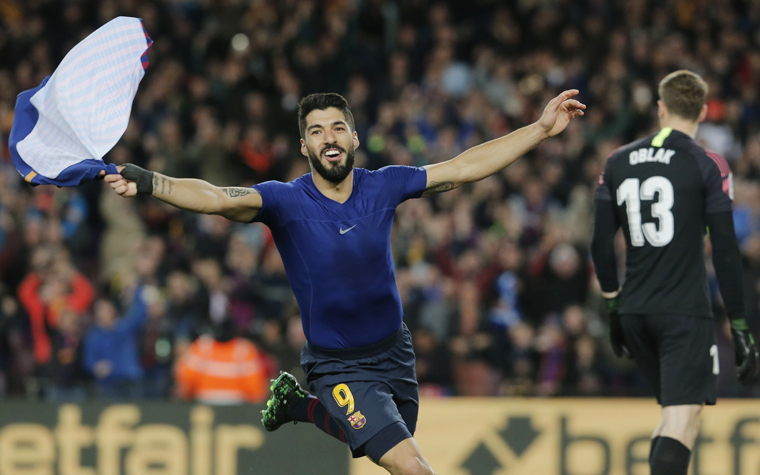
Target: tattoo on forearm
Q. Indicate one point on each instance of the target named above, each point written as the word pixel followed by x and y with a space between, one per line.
pixel 236 192
pixel 438 187
pixel 162 184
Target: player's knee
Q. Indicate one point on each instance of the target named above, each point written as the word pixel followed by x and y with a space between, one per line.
pixel 681 422
pixel 685 416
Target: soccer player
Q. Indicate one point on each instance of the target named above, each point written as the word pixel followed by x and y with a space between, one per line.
pixel 332 228
pixel 664 190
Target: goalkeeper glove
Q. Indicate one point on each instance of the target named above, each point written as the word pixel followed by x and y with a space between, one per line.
pixel 616 329
pixel 745 350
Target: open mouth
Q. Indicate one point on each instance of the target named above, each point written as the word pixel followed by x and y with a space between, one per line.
pixel 333 154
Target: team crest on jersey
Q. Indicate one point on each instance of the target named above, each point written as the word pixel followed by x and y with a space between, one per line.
pixel 357 420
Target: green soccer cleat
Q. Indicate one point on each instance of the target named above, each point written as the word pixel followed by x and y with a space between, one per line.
pixel 286 393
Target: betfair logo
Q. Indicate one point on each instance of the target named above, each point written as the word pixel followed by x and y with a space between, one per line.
pixel 573 444
pixel 517 436
pixel 119 440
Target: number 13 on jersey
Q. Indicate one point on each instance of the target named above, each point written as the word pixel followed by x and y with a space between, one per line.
pixel 632 195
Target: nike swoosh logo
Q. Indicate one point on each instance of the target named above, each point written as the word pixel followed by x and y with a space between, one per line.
pixel 344 231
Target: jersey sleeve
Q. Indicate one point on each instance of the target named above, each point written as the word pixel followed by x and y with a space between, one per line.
pixel 605 227
pixel 604 188
pixel 727 260
pixel 272 194
pixel 403 182
pixel 718 183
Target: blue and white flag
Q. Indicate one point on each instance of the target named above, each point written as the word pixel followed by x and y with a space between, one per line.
pixel 63 128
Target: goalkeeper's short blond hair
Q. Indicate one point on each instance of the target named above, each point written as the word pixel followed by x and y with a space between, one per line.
pixel 684 93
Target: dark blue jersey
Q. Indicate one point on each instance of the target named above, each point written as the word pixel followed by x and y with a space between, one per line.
pixel 338 256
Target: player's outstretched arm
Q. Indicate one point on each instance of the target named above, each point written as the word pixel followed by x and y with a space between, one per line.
pixel 486 159
pixel 189 194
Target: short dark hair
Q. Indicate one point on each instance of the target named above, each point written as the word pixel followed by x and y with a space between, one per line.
pixel 684 93
pixel 323 101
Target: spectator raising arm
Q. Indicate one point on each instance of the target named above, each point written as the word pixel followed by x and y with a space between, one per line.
pixel 35 308
pixel 136 315
pixel 29 293
pixel 110 349
pixel 82 293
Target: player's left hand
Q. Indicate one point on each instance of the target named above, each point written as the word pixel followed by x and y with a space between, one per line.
pixel 747 357
pixel 559 112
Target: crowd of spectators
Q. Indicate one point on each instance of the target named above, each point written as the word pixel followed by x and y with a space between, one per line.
pixel 102 296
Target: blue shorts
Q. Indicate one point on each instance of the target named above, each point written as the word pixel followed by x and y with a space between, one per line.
pixel 371 392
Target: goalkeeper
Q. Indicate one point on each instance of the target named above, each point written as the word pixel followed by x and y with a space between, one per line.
pixel 664 191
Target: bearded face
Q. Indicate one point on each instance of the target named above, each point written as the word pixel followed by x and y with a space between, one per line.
pixel 333 163
pixel 329 144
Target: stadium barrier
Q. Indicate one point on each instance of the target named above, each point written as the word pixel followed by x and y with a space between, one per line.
pixel 459 437
pixel 157 439
pixel 573 437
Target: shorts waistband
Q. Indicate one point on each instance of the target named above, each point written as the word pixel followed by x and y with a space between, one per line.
pixel 362 352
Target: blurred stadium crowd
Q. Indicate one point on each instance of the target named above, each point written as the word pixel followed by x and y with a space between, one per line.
pixel 104 297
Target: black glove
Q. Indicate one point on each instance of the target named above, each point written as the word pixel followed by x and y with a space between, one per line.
pixel 616 330
pixel 143 178
pixel 747 357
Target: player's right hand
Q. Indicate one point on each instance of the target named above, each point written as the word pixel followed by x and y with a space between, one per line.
pixel 130 181
pixel 747 357
pixel 120 185
pixel 616 330
pixel 559 112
